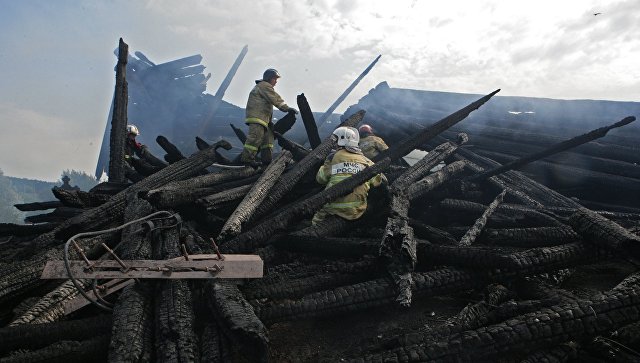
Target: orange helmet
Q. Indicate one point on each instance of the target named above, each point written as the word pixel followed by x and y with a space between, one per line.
pixel 366 129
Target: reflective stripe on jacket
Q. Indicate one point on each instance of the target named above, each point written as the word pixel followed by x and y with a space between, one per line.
pixel 260 104
pixel 342 165
pixel 372 145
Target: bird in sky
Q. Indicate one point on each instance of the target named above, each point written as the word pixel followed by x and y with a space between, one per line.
pixel 596 14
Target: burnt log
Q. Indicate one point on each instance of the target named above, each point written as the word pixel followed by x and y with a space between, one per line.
pixel 201 145
pixel 185 191
pixel 26 207
pixel 175 338
pixel 285 123
pixel 511 210
pixel 401 149
pixel 288 180
pixel 327 246
pixel 132 332
pixel 172 153
pixel 224 198
pixel 59 214
pixel 237 317
pixel 529 332
pixel 429 183
pixel 529 237
pixel 21 230
pixel 476 229
pixel 254 197
pixel 66 351
pixel 309 121
pixel 298 151
pixel 604 233
pixel 36 336
pixel 118 134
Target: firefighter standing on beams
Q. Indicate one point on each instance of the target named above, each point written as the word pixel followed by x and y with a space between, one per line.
pixel 348 160
pixel 259 110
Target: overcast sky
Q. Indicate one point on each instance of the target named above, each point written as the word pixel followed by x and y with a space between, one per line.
pixel 56 57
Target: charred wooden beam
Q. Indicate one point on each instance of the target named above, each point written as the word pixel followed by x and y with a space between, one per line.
pixel 401 149
pixel 58 215
pixel 26 207
pixel 288 180
pixel 223 198
pixel 65 351
pixel 512 210
pixel 529 237
pixel 309 121
pixel 37 336
pixel 119 120
pixel 604 233
pixel 285 123
pixel 201 145
pixel 254 197
pixel 186 191
pixel 565 145
pixel 239 133
pixel 427 184
pixel 20 230
pixel 173 154
pixel 238 318
pixel 476 229
pixel 298 151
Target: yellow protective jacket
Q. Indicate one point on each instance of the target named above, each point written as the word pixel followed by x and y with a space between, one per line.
pixel 372 145
pixel 338 167
pixel 260 104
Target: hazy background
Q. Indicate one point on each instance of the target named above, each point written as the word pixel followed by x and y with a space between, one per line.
pixel 57 78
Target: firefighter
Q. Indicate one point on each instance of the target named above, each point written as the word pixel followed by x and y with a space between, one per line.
pixel 145 163
pixel 259 113
pixel 370 144
pixel 133 147
pixel 340 165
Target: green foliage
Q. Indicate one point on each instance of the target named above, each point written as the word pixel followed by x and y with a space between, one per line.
pixel 81 179
pixel 9 197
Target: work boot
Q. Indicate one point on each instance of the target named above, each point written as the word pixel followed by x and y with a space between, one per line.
pixel 265 155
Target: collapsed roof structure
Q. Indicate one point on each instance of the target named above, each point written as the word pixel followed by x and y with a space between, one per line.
pixel 468 263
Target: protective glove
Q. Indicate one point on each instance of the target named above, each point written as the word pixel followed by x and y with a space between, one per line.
pixel 293 111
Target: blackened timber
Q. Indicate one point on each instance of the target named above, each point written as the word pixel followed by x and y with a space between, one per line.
pixel 173 154
pixel 298 151
pixel 607 234
pixel 422 167
pixel 58 215
pixel 19 230
pixel 237 317
pixel 256 236
pixel 565 145
pixel 401 149
pixel 222 198
pixel 119 121
pixel 430 182
pixel 476 229
pixel 309 121
pixel 258 192
pixel 288 180
pixel 201 145
pixel 179 192
pixel 239 133
pixel 285 123
pixel 25 207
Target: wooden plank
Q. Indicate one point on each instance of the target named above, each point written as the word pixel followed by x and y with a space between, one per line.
pixel 80 301
pixel 198 267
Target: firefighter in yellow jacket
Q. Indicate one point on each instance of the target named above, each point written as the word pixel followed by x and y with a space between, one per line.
pixel 259 113
pixel 370 144
pixel 348 160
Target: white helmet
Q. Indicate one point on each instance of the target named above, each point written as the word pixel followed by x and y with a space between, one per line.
pixel 347 136
pixel 132 129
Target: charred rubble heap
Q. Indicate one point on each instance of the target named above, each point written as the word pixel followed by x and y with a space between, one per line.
pixel 473 262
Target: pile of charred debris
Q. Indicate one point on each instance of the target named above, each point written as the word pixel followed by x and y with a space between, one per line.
pixel 458 258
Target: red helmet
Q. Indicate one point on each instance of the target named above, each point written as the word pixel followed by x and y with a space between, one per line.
pixel 365 129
